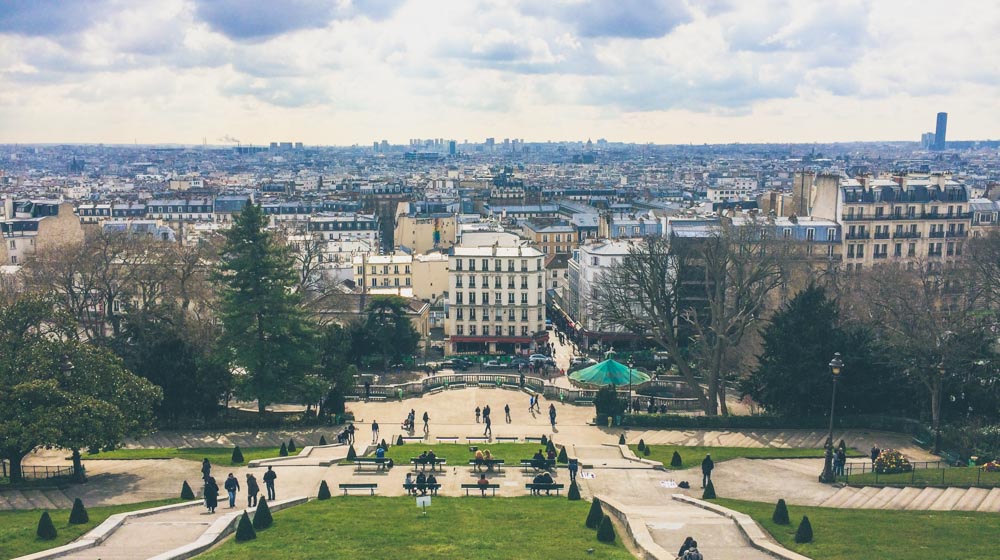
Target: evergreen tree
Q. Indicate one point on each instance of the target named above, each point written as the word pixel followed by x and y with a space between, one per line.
pixel 324 491
pixel 237 457
pixel 562 458
pixel 642 445
pixel 322 440
pixel 291 446
pixel 606 531
pixel 550 446
pixel 709 493
pixel 186 492
pixel 574 492
pixel 646 451
pixel 79 514
pixel 804 534
pixel 262 517
pixel 544 442
pixel 283 452
pixel 621 439
pixel 388 330
pixel 46 530
pixel 399 439
pixel 676 461
pixel 244 531
pixel 595 514
pixel 266 329
pixel 351 453
pixel 780 515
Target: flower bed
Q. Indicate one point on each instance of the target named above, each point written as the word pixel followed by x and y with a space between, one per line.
pixel 890 461
pixel 992 466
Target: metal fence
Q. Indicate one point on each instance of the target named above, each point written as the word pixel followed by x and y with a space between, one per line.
pixel 35 471
pixel 921 473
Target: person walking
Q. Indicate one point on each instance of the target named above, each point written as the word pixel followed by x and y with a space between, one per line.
pixel 522 376
pixel 426 419
pixel 477 415
pixel 506 411
pixel 350 433
pixel 374 431
pixel 531 406
pixel 232 485
pixel 552 415
pixel 269 477
pixel 688 544
pixel 538 403
pixel 206 469
pixel 573 467
pixel 875 452
pixel 486 412
pixel 489 427
pixel 706 470
pixel 211 494
pixel 252 490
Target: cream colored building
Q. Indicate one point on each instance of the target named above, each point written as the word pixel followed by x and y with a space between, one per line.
pixel 430 276
pixel 383 271
pixel 36 225
pixel 423 233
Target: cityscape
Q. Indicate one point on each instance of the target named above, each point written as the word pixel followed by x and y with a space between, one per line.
pixel 668 279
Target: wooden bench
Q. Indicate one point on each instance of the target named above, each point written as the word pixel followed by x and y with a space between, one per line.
pixel 413 439
pixel 359 486
pixel 477 439
pixel 533 439
pixel 481 487
pixel 449 439
pixel 376 398
pixel 438 461
pixel 536 488
pixel 414 487
pixel 382 463
pixel 506 439
pixel 490 463
pixel 550 464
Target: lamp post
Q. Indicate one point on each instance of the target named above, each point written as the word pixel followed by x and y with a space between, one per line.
pixel 631 364
pixel 836 365
pixel 66 368
pixel 937 409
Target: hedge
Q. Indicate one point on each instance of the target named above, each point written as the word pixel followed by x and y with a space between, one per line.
pixel 677 421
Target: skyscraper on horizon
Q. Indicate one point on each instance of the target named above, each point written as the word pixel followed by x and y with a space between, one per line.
pixel 941 131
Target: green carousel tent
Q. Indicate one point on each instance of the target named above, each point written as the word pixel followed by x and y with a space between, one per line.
pixel 608 372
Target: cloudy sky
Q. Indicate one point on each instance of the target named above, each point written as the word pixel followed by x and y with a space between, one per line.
pixel 354 71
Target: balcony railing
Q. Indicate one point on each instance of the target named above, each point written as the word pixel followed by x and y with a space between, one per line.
pixel 921 216
pixel 859 235
pixel 936 234
pixel 958 234
pixel 906 235
pixel 883 235
pixel 880 255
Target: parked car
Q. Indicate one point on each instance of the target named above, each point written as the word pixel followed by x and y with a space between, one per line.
pixel 581 360
pixel 494 364
pixel 542 359
pixel 457 364
pixel 519 361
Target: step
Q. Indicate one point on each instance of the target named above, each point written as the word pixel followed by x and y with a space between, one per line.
pixel 38 499
pixel 58 498
pixel 927 497
pixel 862 496
pixel 4 504
pixel 948 499
pixel 17 500
pixel 903 498
pixel 972 499
pixel 991 502
pixel 840 497
pixel 884 496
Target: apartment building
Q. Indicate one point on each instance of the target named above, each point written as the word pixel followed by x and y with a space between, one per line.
pixel 589 262
pixel 496 300
pixel 551 237
pixel 383 271
pixel 35 225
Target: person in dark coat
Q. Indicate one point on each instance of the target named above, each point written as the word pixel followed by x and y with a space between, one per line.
pixel 269 477
pixel 211 494
pixel 477 414
pixel 506 411
pixel 232 486
pixel 573 467
pixel 206 469
pixel 253 489
pixel 688 544
pixel 706 470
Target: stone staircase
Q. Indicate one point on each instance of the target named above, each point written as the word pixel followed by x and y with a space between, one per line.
pixel 929 499
pixel 50 498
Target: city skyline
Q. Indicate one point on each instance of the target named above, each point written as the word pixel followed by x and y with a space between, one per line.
pixel 345 73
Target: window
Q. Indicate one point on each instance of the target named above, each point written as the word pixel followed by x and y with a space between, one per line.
pixel 545 238
pixel 510 282
pixel 458 282
pixel 472 330
pixel 13 259
pixel 458 264
pixel 850 251
pixel 897 250
pixel 472 281
pixel 829 251
pixel 459 330
pixel 472 313
pixel 512 331
pixel 499 330
pixel 510 314
pixel 911 250
pixel 524 314
pixel 472 298
pixel 786 233
pixel 596 261
pixel 374 281
pixel 524 265
pixel 831 234
pixel 498 298
pixel 510 265
pixel 458 298
pixel 486 265
pixel 361 270
pixel 510 298
pixel 13 244
pixel 810 234
pixel 472 264
pixel 459 314
pixel 496 265
pixel 524 297
pixel 524 330
pixel 496 282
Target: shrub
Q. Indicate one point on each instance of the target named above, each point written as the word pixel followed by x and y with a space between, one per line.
pixel 545 442
pixel 709 493
pixel 595 514
pixel 676 461
pixel 324 491
pixel 322 440
pixel 46 530
pixel 186 492
pixel 804 534
pixel 550 447
pixel 606 531
pixel 562 458
pixel 79 514
pixel 237 455
pixel 861 421
pixel 780 515
pixel 262 517
pixel 399 439
pixel 642 445
pixel 291 446
pixel 891 461
pixel 574 491
pixel 244 531
pixel 646 451
pixel 351 453
pixel 621 439
pixel 283 452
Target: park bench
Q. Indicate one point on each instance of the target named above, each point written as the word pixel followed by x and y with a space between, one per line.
pixel 449 439
pixel 584 402
pixel 526 464
pixel 438 461
pixel 481 487
pixel 537 488
pixel 919 442
pixel 533 439
pixel 506 439
pixel 359 486
pixel 432 487
pixel 381 463
pixel 490 463
pixel 413 439
pixel 477 439
pixel 376 398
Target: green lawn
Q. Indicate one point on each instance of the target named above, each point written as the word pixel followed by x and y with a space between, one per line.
pixel 886 535
pixel 956 476
pixel 394 528
pixel 216 455
pixel 458 454
pixel 692 456
pixel 17 528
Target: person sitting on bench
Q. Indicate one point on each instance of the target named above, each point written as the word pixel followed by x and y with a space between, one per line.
pixel 545 478
pixel 480 459
pixel 538 461
pixel 422 484
pixel 536 480
pixel 408 484
pixel 488 459
pixel 432 483
pixel 551 455
pixel 422 459
pixel 430 458
pixel 483 482
pixel 380 452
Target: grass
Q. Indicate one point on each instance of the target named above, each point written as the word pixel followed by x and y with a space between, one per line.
pixel 17 528
pixel 886 535
pixel 955 476
pixel 393 528
pixel 458 453
pixel 693 455
pixel 216 455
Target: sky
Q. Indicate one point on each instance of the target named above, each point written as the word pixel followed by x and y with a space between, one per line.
pixel 349 72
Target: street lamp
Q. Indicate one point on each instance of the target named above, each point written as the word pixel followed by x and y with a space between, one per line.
pixel 836 365
pixel 631 364
pixel 66 368
pixel 937 412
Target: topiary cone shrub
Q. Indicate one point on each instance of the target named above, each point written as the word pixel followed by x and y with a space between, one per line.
pixel 244 531
pixel 804 534
pixel 676 461
pixel 550 447
pixel 646 451
pixel 351 453
pixel 595 514
pixel 79 514
pixel 262 517
pixel 283 452
pixel 562 458
pixel 46 530
pixel 322 440
pixel 186 492
pixel 642 445
pixel 237 457
pixel 709 493
pixel 545 442
pixel 324 491
pixel 621 439
pixel 399 439
pixel 574 492
pixel 780 515
pixel 606 531
pixel 291 446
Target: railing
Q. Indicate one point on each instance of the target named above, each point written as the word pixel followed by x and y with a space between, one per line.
pixel 921 216
pixel 936 234
pixel 35 471
pixel 958 234
pixel 859 235
pixel 883 235
pixel 906 235
pixel 922 473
